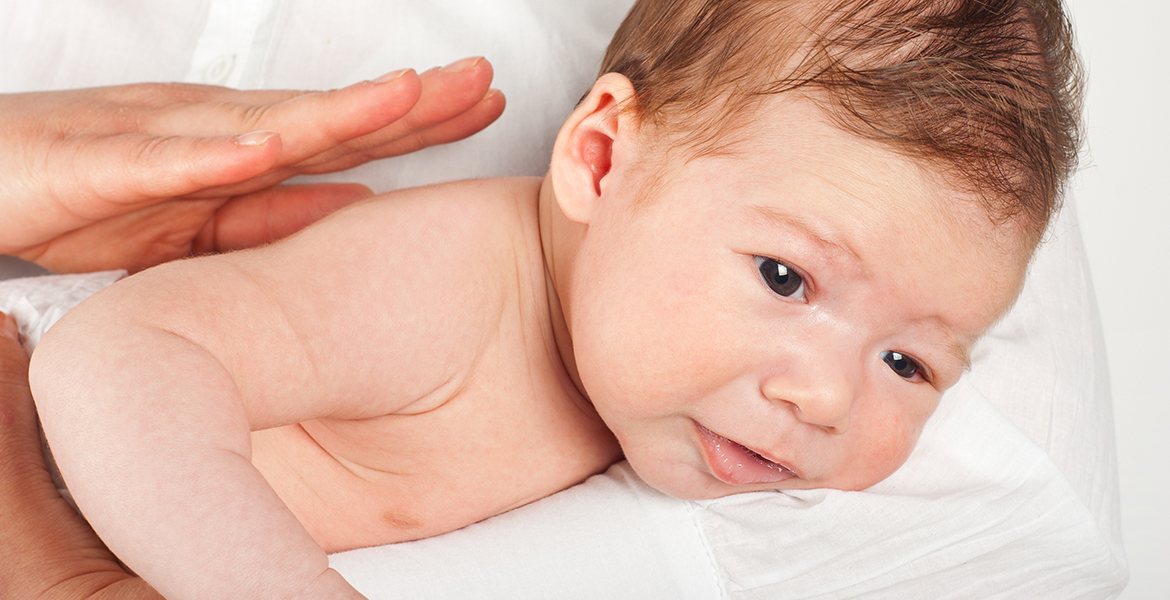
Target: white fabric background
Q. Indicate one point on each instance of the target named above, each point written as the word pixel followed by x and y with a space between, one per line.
pixel 1124 204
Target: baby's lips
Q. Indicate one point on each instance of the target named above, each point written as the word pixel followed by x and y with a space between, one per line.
pixel 734 464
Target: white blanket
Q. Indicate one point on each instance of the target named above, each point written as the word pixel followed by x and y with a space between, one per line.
pixel 38 302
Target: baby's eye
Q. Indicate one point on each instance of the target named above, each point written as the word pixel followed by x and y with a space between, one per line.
pixel 903 365
pixel 780 278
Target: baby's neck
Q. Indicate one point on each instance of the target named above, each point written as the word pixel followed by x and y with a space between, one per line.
pixel 558 239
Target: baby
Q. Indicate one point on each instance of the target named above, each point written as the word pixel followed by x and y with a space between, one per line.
pixel 767 238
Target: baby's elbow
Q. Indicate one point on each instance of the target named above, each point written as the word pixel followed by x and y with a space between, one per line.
pixel 73 353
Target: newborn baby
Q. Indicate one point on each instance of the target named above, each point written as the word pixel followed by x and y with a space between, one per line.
pixel 766 240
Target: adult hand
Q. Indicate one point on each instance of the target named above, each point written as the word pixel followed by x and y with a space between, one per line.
pixel 46 550
pixel 132 176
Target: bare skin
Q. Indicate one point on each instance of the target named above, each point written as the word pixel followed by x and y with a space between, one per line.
pixel 482 408
pixel 369 434
pixel 432 357
pixel 131 176
pixel 47 550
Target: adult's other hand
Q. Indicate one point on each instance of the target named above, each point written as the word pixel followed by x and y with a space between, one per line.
pixel 132 176
pixel 46 550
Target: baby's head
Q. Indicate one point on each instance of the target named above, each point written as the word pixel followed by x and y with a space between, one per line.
pixel 776 227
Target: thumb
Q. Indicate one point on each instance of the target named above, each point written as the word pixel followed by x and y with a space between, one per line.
pixel 19 441
pixel 273 213
pixel 13 359
pixel 9 328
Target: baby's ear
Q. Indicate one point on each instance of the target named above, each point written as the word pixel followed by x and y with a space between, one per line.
pixel 595 138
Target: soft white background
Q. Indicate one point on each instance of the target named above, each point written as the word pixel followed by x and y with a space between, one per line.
pixel 1123 198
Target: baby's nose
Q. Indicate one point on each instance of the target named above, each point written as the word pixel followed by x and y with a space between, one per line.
pixel 826 402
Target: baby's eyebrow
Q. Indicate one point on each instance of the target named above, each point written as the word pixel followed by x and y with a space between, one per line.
pixel 960 351
pixel 816 234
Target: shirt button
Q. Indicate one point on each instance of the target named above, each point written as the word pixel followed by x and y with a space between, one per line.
pixel 217 73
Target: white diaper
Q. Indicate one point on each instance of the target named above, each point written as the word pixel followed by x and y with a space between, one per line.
pixel 38 302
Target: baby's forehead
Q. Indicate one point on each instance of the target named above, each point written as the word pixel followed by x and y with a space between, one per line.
pixel 821 153
pixel 793 175
pixel 991 90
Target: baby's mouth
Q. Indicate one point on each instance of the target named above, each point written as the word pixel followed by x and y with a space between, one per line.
pixel 736 464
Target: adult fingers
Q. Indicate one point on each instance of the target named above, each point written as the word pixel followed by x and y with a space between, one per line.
pixel 144 168
pixel 273 213
pixel 317 122
pixel 22 471
pixel 87 180
pixel 482 114
pixel 134 240
pixel 182 146
pixel 20 447
pixel 309 122
pixel 455 102
pixel 455 96
pixel 177 228
pixel 457 99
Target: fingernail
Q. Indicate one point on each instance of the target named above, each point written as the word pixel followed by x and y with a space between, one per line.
pixel 9 329
pixel 461 65
pixel 255 138
pixel 392 75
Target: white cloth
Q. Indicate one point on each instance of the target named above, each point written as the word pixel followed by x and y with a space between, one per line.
pixel 979 511
pixel 1043 367
pixel 38 302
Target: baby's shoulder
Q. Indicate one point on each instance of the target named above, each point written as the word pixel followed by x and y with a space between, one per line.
pixel 474 232
pixel 468 209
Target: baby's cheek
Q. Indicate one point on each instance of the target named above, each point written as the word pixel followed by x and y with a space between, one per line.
pixel 883 452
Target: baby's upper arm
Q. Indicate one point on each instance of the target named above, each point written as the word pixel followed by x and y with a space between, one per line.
pixel 147 393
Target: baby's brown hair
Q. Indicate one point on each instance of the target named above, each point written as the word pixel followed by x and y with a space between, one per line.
pixel 987 90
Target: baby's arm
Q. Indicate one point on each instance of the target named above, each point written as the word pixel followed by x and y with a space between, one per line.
pixel 148 391
pixel 151 432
